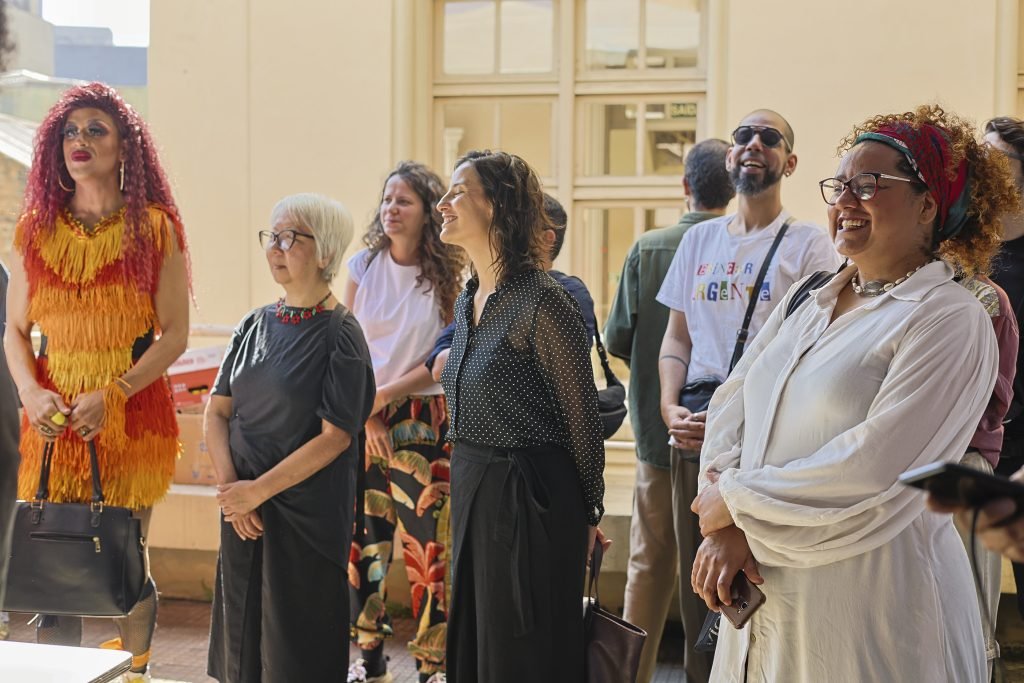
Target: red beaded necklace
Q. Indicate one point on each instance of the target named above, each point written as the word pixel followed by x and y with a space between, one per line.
pixel 296 314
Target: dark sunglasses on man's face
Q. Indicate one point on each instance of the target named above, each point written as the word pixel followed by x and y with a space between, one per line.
pixel 770 137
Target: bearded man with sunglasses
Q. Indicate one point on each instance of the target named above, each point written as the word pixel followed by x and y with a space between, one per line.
pixel 708 288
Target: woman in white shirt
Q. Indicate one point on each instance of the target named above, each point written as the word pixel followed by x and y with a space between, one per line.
pixel 402 289
pixel 885 368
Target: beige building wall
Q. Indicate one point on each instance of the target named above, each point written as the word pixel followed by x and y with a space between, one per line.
pixel 251 100
pixel 254 100
pixel 33 39
pixel 826 68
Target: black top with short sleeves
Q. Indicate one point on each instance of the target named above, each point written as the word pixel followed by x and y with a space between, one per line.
pixel 283 380
pixel 523 377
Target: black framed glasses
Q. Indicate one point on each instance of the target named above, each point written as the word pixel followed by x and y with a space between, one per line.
pixel 770 137
pixel 283 240
pixel 863 186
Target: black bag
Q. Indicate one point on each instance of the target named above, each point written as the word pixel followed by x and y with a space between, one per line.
pixel 696 395
pixel 73 558
pixel 613 646
pixel 611 401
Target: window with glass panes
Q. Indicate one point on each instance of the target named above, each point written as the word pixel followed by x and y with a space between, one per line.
pixel 603 97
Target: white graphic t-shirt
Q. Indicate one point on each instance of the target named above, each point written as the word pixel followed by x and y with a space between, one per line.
pixel 712 275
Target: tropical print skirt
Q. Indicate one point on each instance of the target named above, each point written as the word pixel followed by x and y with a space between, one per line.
pixel 409 494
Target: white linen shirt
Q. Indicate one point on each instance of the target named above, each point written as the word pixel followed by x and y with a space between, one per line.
pixel 810 433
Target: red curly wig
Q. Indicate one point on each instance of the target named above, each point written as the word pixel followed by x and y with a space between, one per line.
pixel 144 180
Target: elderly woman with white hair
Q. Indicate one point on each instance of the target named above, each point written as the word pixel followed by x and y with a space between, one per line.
pixel 282 427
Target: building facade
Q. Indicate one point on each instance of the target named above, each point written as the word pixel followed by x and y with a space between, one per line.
pixel 252 100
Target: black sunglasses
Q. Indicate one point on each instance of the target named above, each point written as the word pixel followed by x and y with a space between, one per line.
pixel 770 137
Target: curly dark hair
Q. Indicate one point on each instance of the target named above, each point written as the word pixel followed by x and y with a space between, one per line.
pixel 993 192
pixel 517 228
pixel 441 264
pixel 145 182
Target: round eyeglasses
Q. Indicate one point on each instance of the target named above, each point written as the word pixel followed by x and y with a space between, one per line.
pixel 283 240
pixel 863 186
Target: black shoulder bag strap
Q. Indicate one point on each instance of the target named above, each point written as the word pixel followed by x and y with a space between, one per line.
pixel 609 376
pixel 816 280
pixel 744 331
pixel 338 316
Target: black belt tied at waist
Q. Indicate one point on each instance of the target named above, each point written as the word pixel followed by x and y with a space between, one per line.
pixel 523 492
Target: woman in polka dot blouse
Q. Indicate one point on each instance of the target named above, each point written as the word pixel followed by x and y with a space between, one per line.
pixel 527 473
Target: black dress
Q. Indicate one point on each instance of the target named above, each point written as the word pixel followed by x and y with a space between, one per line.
pixel 280 610
pixel 527 477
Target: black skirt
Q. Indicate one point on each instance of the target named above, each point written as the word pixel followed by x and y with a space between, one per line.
pixel 519 542
pixel 280 608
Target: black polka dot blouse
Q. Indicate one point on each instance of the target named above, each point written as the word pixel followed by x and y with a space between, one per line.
pixel 523 378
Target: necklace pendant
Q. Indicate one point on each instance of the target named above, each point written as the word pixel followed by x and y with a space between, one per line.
pixel 874 287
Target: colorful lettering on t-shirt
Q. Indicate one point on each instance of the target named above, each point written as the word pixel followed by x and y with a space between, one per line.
pixel 715 288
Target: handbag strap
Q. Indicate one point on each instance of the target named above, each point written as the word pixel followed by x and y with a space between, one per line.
pixel 46 464
pixel 755 294
pixel 609 376
pixel 595 573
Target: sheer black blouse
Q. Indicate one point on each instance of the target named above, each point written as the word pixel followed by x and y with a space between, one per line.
pixel 523 377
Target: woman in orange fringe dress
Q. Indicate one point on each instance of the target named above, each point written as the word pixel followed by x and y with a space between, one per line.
pixel 103 272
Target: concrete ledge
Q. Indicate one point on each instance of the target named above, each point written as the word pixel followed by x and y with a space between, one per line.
pixel 184 537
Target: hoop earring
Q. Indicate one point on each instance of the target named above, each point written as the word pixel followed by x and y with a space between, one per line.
pixel 122 177
pixel 60 181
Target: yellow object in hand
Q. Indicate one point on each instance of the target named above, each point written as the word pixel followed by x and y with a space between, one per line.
pixel 58 419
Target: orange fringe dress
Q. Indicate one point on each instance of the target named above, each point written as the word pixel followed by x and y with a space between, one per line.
pixel 92 296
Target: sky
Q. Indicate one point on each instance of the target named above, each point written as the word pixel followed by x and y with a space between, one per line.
pixel 128 19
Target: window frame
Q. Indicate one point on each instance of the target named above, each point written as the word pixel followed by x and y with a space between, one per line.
pixel 642 72
pixel 440 77
pixel 639 179
pixel 549 181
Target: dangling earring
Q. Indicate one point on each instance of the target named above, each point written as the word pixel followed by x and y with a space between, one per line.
pixel 122 176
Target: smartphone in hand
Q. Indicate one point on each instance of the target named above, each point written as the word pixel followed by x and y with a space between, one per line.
pixel 746 599
pixel 956 485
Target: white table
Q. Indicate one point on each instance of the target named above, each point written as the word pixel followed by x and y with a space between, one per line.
pixel 60 664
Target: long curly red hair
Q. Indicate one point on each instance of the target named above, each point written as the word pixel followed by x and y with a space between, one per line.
pixel 145 182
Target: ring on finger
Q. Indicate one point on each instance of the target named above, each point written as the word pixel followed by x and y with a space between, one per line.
pixel 46 430
pixel 84 431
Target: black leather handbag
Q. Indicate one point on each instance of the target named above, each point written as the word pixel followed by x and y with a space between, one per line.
pixel 613 645
pixel 74 558
pixel 611 401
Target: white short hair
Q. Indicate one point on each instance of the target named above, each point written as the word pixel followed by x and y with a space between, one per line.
pixel 328 219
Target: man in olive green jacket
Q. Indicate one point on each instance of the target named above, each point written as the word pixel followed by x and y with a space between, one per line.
pixel 636 325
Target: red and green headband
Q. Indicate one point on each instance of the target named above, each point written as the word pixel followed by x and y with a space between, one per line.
pixel 928 150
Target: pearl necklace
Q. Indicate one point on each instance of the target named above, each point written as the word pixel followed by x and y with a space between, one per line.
pixel 879 287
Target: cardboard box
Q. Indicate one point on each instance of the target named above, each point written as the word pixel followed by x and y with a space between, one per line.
pixel 194 466
pixel 192 375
